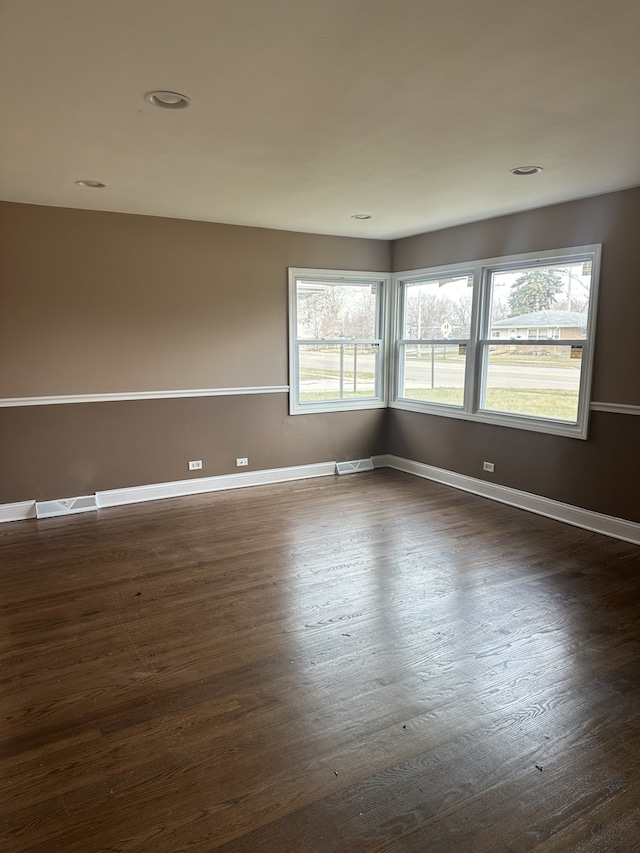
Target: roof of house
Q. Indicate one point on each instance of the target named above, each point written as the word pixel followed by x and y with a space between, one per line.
pixel 565 319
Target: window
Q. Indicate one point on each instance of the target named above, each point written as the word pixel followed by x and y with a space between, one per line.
pixel 506 341
pixel 436 328
pixel 336 349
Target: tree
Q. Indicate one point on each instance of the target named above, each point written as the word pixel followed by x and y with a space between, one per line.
pixel 359 314
pixel 578 290
pixel 425 314
pixel 459 315
pixel 320 312
pixel 535 290
pixel 336 311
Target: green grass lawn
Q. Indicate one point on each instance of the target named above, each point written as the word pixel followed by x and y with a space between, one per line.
pixel 541 403
pixel 317 374
pixel 322 373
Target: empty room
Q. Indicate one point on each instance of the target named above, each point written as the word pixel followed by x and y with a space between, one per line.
pixel 319 434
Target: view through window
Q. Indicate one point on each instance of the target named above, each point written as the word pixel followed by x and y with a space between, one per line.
pixel 506 341
pixel 337 350
pixel 436 329
pixel 532 353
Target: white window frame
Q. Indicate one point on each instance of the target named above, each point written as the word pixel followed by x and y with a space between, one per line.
pixel 480 339
pixel 360 278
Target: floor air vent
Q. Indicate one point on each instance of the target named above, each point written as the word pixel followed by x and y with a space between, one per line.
pixel 65 506
pixel 354 467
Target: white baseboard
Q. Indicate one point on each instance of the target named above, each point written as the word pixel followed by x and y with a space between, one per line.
pixel 608 525
pixel 618 528
pixel 17 511
pixel 200 485
pixel 179 488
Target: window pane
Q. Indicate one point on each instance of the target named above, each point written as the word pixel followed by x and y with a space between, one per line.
pixel 551 301
pixel 331 311
pixel 337 372
pixel 437 309
pixel 434 373
pixel 535 379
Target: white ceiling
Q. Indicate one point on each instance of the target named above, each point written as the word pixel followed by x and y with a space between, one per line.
pixel 305 113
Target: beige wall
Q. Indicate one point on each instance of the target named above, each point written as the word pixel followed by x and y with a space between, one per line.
pixel 77 449
pixel 603 473
pixel 98 302
pixel 102 302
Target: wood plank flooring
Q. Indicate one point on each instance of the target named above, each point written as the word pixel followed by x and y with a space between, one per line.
pixel 341 665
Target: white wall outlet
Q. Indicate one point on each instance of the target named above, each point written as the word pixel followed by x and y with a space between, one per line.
pixel 488 466
pixel 195 465
pixel 241 461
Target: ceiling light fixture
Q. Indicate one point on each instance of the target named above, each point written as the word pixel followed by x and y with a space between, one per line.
pixel 167 100
pixel 361 216
pixel 92 185
pixel 524 171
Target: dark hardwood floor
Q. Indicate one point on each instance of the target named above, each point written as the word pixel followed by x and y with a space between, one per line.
pixel 366 663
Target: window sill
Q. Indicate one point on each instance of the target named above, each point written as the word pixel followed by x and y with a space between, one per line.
pixel 348 406
pixel 567 429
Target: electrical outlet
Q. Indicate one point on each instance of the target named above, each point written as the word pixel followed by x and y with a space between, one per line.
pixel 241 461
pixel 195 465
pixel 488 466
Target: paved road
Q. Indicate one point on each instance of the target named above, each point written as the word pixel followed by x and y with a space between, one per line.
pixel 500 376
pixel 447 374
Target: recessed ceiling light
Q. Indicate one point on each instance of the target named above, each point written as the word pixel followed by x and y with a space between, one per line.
pixel 526 170
pixel 361 216
pixel 93 185
pixel 167 100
